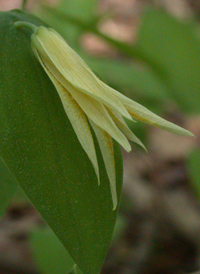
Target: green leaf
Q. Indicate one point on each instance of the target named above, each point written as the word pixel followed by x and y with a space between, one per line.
pixel 49 253
pixel 41 149
pixel 83 9
pixel 175 48
pixel 8 186
pixel 193 168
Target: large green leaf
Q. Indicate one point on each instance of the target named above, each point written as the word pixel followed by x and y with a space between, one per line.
pixel 175 48
pixel 8 186
pixel 41 149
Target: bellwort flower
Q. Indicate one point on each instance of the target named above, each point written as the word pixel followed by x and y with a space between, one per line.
pixel 90 103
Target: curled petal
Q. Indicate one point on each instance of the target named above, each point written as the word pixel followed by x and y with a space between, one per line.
pixel 66 65
pixel 78 120
pixel 106 146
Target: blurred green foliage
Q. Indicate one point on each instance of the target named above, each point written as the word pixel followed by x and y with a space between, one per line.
pixel 175 47
pixel 49 253
pixel 83 10
pixel 9 186
pixel 51 256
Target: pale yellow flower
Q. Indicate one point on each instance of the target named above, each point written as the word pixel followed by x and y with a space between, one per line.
pixel 87 100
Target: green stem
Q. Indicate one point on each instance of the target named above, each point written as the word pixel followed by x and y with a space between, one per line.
pixel 24 5
pixel 21 24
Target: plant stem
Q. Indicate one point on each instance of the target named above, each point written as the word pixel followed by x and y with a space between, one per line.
pixel 21 24
pixel 24 5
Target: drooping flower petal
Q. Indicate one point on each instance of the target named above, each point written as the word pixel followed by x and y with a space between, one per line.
pixel 66 65
pixel 106 146
pixel 141 113
pixel 81 128
pixel 77 118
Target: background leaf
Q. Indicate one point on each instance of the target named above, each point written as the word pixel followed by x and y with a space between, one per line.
pixel 41 149
pixel 128 77
pixel 8 186
pixel 174 46
pixel 49 254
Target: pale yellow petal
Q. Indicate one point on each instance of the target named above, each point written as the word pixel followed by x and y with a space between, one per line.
pixel 66 65
pixel 106 146
pixel 78 120
pixel 120 123
pixel 99 115
pixel 141 113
